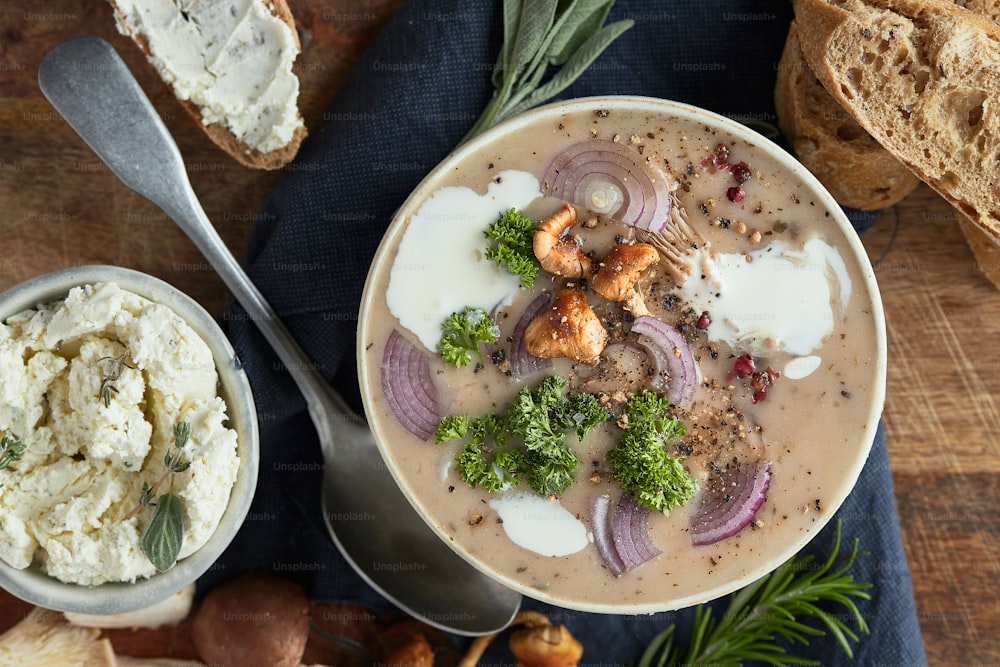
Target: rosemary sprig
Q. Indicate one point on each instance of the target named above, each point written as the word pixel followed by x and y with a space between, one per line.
pixel 778 605
pixel 115 367
pixel 566 34
pixel 10 451
pixel 164 534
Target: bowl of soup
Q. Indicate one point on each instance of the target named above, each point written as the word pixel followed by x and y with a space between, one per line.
pixel 622 354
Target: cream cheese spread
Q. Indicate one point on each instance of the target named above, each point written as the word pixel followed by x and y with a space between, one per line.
pixel 232 59
pixel 86 459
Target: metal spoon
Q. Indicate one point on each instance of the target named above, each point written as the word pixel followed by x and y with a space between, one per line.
pixel 89 84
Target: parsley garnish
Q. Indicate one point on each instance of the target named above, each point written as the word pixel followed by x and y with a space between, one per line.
pixel 511 246
pixel 462 332
pixel 537 422
pixel 641 463
pixel 482 461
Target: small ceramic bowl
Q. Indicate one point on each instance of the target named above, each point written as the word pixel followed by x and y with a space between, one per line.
pixel 33 584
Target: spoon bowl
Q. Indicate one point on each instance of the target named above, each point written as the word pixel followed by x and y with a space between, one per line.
pixel 371 522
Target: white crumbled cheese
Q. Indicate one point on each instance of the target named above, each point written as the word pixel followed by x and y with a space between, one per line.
pixel 232 59
pixel 85 460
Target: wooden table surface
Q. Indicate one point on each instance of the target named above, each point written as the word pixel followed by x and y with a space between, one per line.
pixel 61 207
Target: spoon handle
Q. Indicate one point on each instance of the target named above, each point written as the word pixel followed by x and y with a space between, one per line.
pixel 88 83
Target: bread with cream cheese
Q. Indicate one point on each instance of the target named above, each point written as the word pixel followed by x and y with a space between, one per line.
pixel 230 66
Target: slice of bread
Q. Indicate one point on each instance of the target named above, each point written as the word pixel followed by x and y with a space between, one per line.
pixel 857 171
pixel 923 78
pixel 229 64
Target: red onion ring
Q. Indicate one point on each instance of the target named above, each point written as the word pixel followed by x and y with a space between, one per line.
pixel 728 508
pixel 408 388
pixel 621 536
pixel 600 524
pixel 644 188
pixel 522 362
pixel 671 354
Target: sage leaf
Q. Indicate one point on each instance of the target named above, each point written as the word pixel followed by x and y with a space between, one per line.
pixel 511 18
pixel 582 19
pixel 576 65
pixel 163 535
pixel 533 24
pixel 538 34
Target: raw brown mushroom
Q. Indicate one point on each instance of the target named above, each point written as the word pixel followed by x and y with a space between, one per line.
pixel 254 619
pixel 567 328
pixel 619 271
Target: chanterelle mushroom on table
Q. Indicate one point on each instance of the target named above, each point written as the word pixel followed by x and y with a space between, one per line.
pixel 567 328
pixel 538 644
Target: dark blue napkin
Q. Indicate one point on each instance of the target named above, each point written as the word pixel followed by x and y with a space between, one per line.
pixel 409 101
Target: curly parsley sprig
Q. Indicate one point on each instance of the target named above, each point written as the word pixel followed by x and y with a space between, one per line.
pixel 463 332
pixel 511 238
pixel 641 463
pixel 795 602
pixel 527 442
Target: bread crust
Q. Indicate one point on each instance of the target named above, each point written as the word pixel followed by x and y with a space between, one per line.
pixel 923 78
pixel 857 171
pixel 217 132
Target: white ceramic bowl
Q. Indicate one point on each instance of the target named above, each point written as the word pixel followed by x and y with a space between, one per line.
pixel 760 554
pixel 34 585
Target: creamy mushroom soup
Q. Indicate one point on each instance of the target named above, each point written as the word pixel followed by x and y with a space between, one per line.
pixel 678 261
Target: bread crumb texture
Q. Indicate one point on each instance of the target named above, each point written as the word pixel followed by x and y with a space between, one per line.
pixel 831 144
pixel 922 78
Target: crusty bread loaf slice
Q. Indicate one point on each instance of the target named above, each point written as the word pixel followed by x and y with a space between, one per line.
pixel 923 78
pixel 988 8
pixel 266 145
pixel 831 144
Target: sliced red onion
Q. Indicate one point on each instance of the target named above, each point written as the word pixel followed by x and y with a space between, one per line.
pixel 522 362
pixel 622 536
pixel 408 387
pixel 671 354
pixel 639 527
pixel 728 507
pixel 611 178
pixel 600 524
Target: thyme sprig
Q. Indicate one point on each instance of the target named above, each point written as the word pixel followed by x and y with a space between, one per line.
pixel 164 534
pixel 11 450
pixel 566 34
pixel 793 602
pixel 115 367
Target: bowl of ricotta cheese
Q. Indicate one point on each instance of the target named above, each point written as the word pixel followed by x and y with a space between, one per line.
pixel 623 354
pixel 130 442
